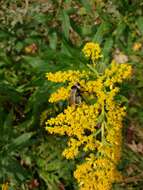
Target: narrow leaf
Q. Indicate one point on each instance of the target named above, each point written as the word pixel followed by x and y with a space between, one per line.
pixel 140 24
pixel 19 141
pixel 107 46
pixel 101 31
pixel 65 24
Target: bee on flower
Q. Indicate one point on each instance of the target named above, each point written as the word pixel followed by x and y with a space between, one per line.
pixel 92 119
pixel 75 96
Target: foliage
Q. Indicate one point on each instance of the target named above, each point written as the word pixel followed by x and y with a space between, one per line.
pixel 40 36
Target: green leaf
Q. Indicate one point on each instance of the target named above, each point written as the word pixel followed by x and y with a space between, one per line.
pixel 40 17
pixel 48 178
pixel 4 59
pixel 6 129
pixel 140 24
pixel 107 46
pixel 101 31
pixel 120 29
pixel 19 46
pixel 34 62
pixel 122 99
pixel 53 40
pixel 86 5
pixel 3 35
pixel 13 168
pixel 9 93
pixel 86 30
pixel 65 24
pixel 8 121
pixel 20 141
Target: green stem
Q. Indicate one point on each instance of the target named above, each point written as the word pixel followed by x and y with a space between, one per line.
pixel 97 132
pixel 94 70
pixel 102 133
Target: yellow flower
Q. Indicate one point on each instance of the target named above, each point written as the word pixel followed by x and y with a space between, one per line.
pixel 117 73
pixel 73 149
pixel 61 94
pixel 63 76
pixel 92 51
pixel 94 86
pixel 76 122
pixel 96 174
pixel 136 46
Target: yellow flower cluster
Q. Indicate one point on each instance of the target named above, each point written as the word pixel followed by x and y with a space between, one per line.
pixel 69 76
pixel 94 127
pixel 99 170
pixel 96 174
pixel 92 51
pixel 61 94
pixel 76 123
pixel 117 73
pixel 63 76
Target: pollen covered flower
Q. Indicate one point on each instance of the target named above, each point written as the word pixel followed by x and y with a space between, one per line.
pixel 96 174
pixel 116 73
pixel 92 51
pixel 71 78
pixel 93 126
pixel 77 123
pixel 63 76
pixel 61 94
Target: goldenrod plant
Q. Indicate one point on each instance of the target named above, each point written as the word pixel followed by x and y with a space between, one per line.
pixel 93 124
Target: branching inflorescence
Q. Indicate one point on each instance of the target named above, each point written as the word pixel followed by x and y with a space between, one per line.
pixel 94 125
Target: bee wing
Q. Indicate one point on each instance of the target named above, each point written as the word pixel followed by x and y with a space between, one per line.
pixel 72 98
pixel 78 100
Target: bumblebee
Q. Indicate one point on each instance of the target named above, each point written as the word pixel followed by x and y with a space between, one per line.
pixel 75 95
